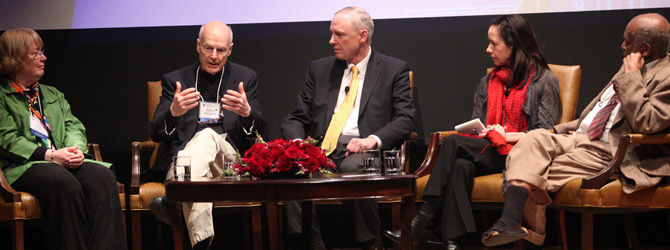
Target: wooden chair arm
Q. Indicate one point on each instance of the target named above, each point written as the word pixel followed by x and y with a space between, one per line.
pixel 431 155
pixel 599 180
pixel 137 148
pixel 8 193
pixel 94 149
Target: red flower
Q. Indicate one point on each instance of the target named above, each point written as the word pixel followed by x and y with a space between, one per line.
pixel 283 157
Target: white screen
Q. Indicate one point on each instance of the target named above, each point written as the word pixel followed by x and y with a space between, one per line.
pixel 84 14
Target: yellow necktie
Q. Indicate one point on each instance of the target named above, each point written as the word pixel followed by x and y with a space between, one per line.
pixel 341 115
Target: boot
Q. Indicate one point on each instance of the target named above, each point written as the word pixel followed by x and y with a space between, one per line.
pixel 509 227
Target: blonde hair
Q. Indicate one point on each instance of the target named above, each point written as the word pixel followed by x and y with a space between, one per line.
pixel 14 44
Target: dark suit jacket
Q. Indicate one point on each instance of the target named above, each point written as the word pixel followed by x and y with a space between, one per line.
pixel 386 108
pixel 185 125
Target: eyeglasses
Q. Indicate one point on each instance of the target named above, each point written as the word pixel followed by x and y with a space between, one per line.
pixel 37 54
pixel 209 50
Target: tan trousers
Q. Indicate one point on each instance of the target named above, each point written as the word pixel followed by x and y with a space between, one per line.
pixel 206 149
pixel 548 161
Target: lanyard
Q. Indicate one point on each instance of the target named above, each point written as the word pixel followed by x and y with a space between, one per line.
pixel 197 74
pixel 38 114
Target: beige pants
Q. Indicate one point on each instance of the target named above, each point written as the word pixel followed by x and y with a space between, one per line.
pixel 548 161
pixel 206 149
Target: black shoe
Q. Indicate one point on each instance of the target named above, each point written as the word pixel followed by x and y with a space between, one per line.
pixel 159 207
pixel 422 221
pixel 393 235
pixel 203 245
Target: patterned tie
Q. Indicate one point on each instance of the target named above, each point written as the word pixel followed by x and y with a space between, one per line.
pixel 598 124
pixel 341 115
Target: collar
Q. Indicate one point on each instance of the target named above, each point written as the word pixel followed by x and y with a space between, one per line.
pixel 650 65
pixel 362 65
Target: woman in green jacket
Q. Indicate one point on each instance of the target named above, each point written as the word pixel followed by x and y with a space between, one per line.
pixel 42 148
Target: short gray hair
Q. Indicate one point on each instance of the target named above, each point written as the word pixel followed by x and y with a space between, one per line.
pixel 202 29
pixel 361 19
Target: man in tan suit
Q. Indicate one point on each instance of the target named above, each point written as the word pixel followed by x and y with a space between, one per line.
pixel 636 100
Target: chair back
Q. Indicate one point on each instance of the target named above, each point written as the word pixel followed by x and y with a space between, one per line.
pixel 404 149
pixel 569 79
pixel 154 90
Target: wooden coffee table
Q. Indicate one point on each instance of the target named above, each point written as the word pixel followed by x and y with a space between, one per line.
pixel 270 191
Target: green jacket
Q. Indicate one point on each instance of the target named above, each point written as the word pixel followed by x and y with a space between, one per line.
pixel 17 143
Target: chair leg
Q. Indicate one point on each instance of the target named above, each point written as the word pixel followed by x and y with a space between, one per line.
pixel 587 228
pixel 519 245
pixel 17 235
pixel 256 228
pixel 564 234
pixel 395 221
pixel 136 224
pixel 631 231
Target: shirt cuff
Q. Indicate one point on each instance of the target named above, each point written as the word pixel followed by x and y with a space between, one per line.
pixel 379 141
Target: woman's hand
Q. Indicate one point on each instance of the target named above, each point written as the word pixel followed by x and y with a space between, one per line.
pixel 497 127
pixel 69 157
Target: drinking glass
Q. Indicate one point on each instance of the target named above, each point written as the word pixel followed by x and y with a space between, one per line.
pixel 182 167
pixel 371 161
pixel 392 162
pixel 229 161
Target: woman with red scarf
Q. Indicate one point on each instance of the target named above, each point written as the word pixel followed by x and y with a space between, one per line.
pixel 519 95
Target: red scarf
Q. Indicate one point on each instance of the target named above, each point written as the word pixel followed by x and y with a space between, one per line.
pixel 506 110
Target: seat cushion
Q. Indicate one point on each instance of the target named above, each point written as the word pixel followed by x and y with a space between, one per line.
pixel 488 188
pixel 28 208
pixel 611 195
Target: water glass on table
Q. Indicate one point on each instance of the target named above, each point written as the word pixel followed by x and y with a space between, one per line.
pixel 229 161
pixel 181 167
pixel 371 161
pixel 392 162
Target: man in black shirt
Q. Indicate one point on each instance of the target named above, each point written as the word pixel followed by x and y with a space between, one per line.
pixel 206 110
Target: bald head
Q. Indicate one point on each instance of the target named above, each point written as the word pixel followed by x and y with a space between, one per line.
pixel 218 27
pixel 214 45
pixel 648 32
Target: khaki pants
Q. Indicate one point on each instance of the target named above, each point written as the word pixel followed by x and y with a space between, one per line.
pixel 206 149
pixel 549 161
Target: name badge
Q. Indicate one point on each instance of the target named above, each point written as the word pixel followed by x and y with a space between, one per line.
pixel 37 128
pixel 209 110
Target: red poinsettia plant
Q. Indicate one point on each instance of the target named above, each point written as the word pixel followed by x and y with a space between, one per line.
pixel 284 158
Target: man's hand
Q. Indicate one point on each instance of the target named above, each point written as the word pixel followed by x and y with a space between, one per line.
pixel 358 145
pixel 236 101
pixel 632 62
pixel 69 157
pixel 183 100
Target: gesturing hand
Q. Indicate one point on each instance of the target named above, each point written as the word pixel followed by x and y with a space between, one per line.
pixel 183 100
pixel 237 101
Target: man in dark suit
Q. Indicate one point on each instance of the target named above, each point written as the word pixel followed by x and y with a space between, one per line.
pixel 206 110
pixel 357 100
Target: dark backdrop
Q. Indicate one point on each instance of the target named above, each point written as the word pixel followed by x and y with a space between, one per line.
pixel 103 71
